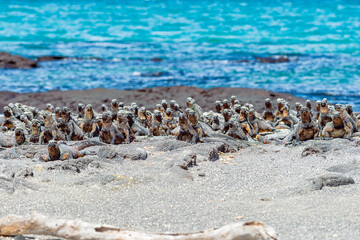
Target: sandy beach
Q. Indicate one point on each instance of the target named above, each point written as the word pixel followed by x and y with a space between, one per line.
pixel 146 187
pixel 305 191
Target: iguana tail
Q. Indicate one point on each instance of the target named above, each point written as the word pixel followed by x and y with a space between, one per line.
pixel 88 143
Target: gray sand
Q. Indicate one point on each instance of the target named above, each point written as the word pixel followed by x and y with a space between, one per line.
pixel 278 185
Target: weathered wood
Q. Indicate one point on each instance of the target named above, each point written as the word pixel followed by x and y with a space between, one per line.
pixel 38 224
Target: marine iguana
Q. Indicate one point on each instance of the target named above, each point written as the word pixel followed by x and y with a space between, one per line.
pixel 89 124
pixel 19 136
pixel 122 124
pixel 81 109
pixel 259 125
pixel 186 131
pixel 235 131
pixel 170 121
pixel 72 131
pixel 62 151
pixel 306 129
pixel 109 133
pixel 35 131
pixel 268 113
pixel 324 116
pixel 194 121
pixel 158 128
pixel 114 109
pixel 336 128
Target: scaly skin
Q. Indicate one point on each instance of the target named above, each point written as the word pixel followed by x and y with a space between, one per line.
pixel 49 108
pixel 243 122
pixel 142 119
pixel 190 103
pixel 337 128
pixel 109 133
pixel 194 122
pixel 136 127
pixel 226 104
pixel 218 106
pixel 158 128
pixel 16 112
pixel 259 125
pixel 62 151
pixel 286 119
pixel 123 126
pixel 19 136
pixel 235 131
pixel 71 130
pixel 24 119
pixel 268 113
pixel 279 112
pixel 114 109
pixel 51 130
pixel 349 122
pixel 233 100
pixel 215 123
pixel 186 132
pixel 349 110
pixel 305 130
pixel 298 107
pixel 227 115
pixel 35 131
pixel 81 109
pixel 324 116
pixel 170 121
pixel 89 124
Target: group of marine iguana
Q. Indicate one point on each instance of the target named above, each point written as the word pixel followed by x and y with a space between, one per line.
pixel 230 121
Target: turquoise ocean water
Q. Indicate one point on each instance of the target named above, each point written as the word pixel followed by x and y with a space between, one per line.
pixel 201 43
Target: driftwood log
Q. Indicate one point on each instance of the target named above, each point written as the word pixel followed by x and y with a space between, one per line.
pixel 38 224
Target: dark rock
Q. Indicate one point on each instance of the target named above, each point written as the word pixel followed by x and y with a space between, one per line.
pixel 151 74
pixel 50 58
pixel 184 163
pixel 241 61
pixel 16 62
pixel 202 151
pixel 156 59
pixel 124 151
pixel 274 59
pixel 330 180
pixel 335 180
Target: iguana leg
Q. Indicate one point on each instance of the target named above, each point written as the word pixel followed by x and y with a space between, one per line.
pixel 65 156
pixel 44 157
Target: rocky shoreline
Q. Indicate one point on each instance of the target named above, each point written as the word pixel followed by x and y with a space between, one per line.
pixel 307 190
pixel 12 61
